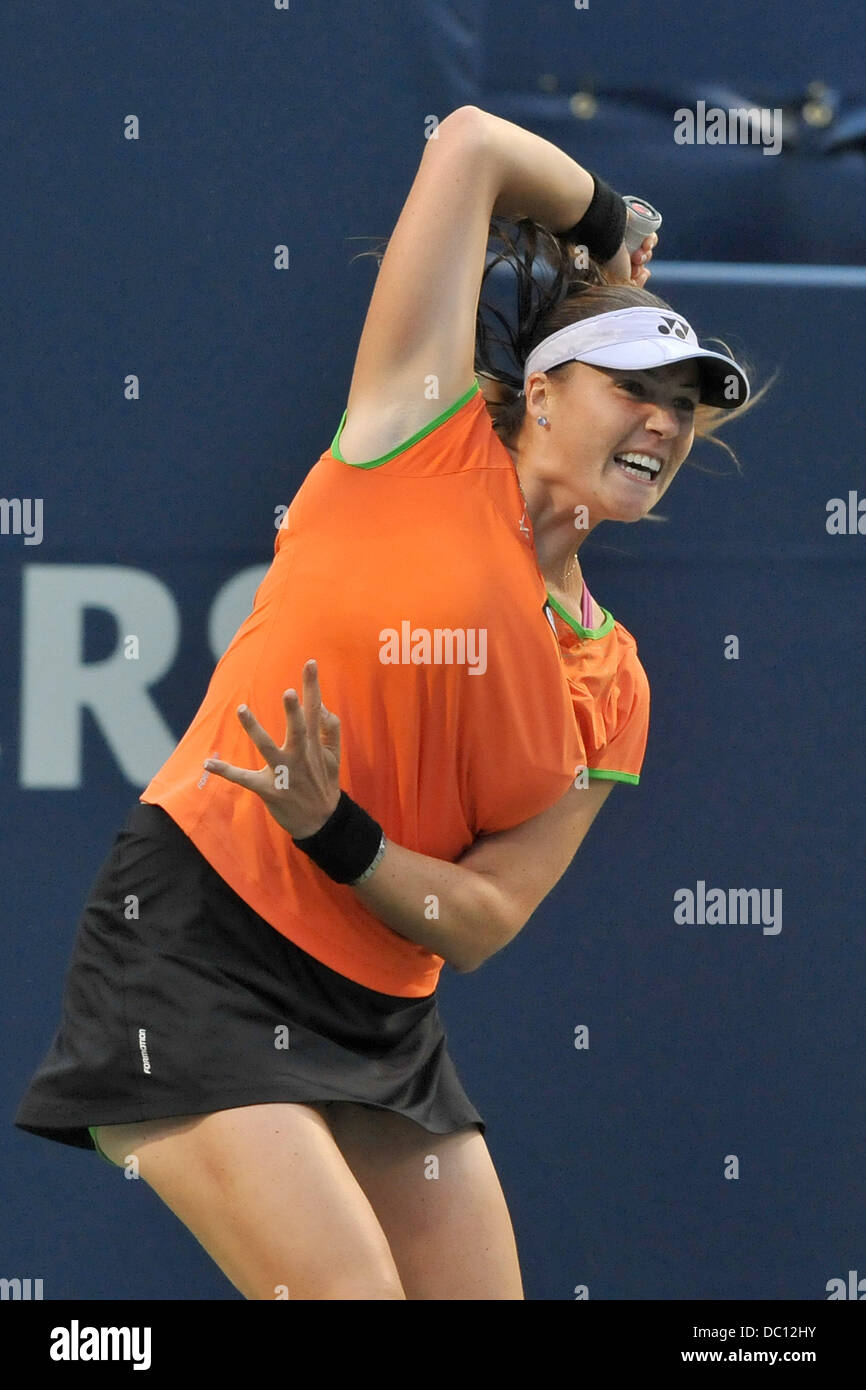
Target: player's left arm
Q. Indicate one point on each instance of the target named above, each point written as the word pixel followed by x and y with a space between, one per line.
pixel 481 901
pixel 525 863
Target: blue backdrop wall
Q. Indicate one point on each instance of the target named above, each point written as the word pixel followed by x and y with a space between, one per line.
pixel 301 126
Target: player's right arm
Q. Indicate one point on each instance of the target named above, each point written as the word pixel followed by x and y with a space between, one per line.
pixel 421 320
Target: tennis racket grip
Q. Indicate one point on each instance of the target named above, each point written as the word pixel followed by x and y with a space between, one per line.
pixel 643 219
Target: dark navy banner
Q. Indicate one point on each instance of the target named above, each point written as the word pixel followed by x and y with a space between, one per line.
pixel 669 1057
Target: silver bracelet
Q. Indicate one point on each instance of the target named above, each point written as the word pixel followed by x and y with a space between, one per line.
pixel 367 872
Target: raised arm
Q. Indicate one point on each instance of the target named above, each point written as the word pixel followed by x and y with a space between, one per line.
pixel 421 320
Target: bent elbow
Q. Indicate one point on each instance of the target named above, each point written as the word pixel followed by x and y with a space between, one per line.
pixel 471 121
pixel 469 959
pixel 495 935
pixel 462 967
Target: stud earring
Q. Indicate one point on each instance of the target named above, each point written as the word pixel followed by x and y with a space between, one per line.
pixel 543 420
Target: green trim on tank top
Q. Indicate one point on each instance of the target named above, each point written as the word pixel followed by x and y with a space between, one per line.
pixel 608 774
pixel 593 633
pixel 413 439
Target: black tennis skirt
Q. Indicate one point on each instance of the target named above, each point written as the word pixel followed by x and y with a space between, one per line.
pixel 181 1000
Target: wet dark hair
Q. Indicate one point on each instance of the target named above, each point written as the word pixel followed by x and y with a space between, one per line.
pixel 549 291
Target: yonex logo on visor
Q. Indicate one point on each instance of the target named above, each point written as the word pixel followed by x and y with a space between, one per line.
pixel 640 339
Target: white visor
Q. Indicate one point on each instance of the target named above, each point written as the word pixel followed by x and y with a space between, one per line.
pixel 642 339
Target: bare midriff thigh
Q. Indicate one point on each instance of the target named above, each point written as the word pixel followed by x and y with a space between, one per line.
pixel 267 1193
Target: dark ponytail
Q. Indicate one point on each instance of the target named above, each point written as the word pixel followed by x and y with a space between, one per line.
pixel 545 286
pixel 550 287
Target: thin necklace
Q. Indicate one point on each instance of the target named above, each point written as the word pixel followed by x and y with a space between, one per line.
pixel 574 558
pixel 569 574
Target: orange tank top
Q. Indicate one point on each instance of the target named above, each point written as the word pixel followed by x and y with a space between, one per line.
pixel 466 700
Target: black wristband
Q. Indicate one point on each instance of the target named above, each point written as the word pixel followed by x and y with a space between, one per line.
pixel 347 844
pixel 602 228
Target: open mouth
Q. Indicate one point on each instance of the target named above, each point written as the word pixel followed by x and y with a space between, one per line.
pixel 642 467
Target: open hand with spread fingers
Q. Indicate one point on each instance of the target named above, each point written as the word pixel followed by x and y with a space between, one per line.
pixel 300 782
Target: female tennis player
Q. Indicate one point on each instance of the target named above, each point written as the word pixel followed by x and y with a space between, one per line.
pixel 396 759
